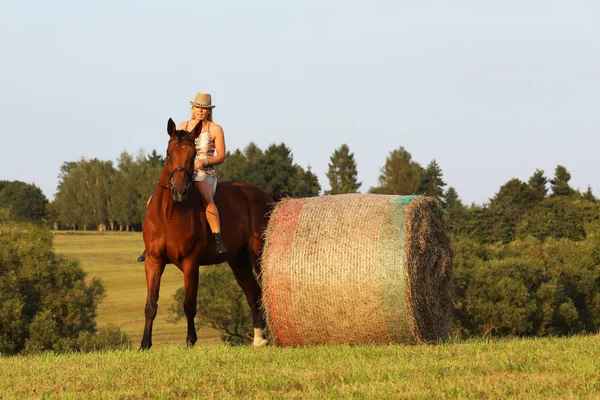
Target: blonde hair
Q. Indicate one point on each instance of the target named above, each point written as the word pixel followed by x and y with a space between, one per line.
pixel 210 116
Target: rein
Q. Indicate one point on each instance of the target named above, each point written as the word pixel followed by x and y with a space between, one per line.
pixel 188 174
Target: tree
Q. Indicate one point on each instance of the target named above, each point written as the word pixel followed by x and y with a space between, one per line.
pixel 527 287
pixel 84 192
pixel 342 172
pixel 155 159
pixel 588 195
pixel 556 217
pixel 22 202
pixel 400 175
pixel 538 183
pixel 560 182
pixel 514 194
pixel 508 207
pixel 451 199
pixel 432 183
pixel 457 212
pixel 45 301
pixel 241 166
pixel 275 171
pixel 307 183
pixel 126 191
pixel 234 168
pixel 146 173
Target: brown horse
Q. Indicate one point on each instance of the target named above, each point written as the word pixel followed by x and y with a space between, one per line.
pixel 176 231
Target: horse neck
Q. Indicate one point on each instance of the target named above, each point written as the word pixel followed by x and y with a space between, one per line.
pixel 164 176
pixel 170 209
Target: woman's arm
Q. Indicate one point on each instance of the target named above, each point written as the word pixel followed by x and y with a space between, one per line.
pixel 219 140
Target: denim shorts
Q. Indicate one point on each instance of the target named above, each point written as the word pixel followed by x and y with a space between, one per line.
pixel 210 179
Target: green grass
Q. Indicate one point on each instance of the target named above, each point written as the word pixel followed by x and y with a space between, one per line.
pixel 558 368
pixel 535 368
pixel 112 257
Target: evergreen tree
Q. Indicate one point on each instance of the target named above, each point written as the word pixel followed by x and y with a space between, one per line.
pixel 155 159
pixel 560 183
pixel 307 183
pixel 432 183
pixel 457 212
pixel 509 206
pixel 588 195
pixel 342 172
pixel 400 174
pixel 253 153
pixel 451 198
pixel 538 183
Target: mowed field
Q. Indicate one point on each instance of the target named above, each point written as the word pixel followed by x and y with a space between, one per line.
pixel 111 256
pixel 547 368
pixel 566 368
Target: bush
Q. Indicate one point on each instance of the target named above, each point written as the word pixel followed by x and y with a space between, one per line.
pixel 45 302
pixel 527 287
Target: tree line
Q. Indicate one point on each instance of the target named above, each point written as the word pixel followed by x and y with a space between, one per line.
pixel 93 193
pixel 100 194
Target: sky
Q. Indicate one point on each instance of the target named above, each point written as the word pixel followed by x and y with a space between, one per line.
pixel 490 90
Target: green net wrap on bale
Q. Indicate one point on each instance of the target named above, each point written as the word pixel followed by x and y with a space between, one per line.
pixel 357 269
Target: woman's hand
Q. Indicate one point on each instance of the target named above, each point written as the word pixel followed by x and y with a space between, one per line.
pixel 200 162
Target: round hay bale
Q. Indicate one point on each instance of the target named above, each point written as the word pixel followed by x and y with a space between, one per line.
pixel 357 269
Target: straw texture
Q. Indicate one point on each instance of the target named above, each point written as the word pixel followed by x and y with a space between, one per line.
pixel 357 269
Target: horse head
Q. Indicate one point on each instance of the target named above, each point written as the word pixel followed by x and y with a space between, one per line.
pixel 179 164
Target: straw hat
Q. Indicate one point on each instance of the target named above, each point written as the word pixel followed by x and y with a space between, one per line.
pixel 202 100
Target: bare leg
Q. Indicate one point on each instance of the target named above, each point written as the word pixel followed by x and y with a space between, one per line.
pixel 212 214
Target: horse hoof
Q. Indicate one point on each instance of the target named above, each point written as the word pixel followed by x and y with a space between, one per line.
pixel 145 346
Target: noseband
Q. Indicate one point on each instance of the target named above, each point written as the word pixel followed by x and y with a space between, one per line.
pixel 188 174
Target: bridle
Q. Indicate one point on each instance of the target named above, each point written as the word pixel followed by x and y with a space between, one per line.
pixel 189 175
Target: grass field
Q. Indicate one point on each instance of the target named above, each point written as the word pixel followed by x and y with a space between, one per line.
pixel 112 257
pixel 560 368
pixel 538 369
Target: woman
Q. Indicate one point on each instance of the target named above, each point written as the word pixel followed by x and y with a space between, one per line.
pixel 211 139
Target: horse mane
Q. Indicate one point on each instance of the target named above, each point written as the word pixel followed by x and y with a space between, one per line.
pixel 181 133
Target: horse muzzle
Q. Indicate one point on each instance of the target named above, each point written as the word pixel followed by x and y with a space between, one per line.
pixel 179 195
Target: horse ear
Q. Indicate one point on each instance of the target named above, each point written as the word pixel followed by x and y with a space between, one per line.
pixel 197 129
pixel 171 128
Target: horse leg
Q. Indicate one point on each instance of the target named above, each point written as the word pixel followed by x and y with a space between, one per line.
pixel 190 278
pixel 241 266
pixel 154 270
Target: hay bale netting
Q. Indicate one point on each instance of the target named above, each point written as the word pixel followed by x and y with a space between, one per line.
pixel 357 269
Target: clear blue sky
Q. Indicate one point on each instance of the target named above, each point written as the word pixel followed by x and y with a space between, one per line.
pixel 491 90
